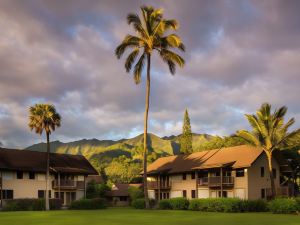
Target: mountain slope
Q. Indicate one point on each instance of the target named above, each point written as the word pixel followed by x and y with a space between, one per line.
pixel 91 148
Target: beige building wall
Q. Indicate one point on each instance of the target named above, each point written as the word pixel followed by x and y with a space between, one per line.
pixel 28 188
pixel 178 185
pixel 256 182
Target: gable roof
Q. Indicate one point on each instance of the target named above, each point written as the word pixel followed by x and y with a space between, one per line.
pixel 25 160
pixel 236 157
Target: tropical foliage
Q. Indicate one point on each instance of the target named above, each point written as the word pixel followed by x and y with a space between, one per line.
pixel 151 36
pixel 270 133
pixel 44 118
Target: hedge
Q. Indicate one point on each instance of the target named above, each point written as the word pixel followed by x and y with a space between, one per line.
pixel 227 205
pixel 139 203
pixel 284 205
pixel 174 203
pixel 30 204
pixel 96 203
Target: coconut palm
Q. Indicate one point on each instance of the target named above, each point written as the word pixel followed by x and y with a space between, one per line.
pixel 153 34
pixel 43 117
pixel 270 133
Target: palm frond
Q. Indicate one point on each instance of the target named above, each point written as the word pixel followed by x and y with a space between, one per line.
pixel 138 68
pixel 130 59
pixel 248 137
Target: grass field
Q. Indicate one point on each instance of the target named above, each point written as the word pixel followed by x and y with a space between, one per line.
pixel 126 216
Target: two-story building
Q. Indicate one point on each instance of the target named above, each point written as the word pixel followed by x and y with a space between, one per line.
pixel 240 171
pixel 23 175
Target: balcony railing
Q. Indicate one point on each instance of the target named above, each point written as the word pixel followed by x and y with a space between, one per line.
pixel 67 184
pixel 152 185
pixel 216 181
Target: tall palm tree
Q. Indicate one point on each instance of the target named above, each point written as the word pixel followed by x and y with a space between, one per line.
pixel 270 133
pixel 43 117
pixel 151 35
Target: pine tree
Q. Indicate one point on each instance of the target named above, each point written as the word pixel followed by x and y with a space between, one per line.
pixel 186 137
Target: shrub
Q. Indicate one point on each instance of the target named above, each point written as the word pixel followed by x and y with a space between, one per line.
pixel 283 205
pixel 135 193
pixel 254 206
pixel 164 204
pixel 96 203
pixel 95 190
pixel 298 203
pixel 138 203
pixel 227 205
pixel 31 204
pixel 179 203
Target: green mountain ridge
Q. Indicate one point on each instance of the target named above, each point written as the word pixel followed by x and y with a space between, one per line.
pixel 91 148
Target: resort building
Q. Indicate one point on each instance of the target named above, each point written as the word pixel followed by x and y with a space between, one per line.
pixel 23 173
pixel 119 194
pixel 240 171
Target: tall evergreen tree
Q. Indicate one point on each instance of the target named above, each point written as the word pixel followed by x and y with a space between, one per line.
pixel 186 138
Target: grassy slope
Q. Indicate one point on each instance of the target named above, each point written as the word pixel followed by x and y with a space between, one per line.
pixel 121 216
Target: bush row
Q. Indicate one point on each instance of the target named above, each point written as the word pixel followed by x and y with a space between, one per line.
pixel 95 203
pixel 139 203
pixel 30 204
pixel 279 205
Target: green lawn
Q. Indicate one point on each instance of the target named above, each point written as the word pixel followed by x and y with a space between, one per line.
pixel 126 216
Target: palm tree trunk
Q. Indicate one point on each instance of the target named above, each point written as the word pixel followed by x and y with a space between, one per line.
pixel 47 173
pixel 145 131
pixel 273 189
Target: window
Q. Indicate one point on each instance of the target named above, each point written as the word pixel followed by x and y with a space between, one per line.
pixel 193 193
pixel 240 173
pixel 184 193
pixel 19 175
pixel 263 193
pixel 224 194
pixel 227 173
pixel 56 195
pixel 123 198
pixel 7 194
pixel 41 193
pixel 184 176
pixel 262 171
pixel 31 175
pixel 193 175
pixel 274 173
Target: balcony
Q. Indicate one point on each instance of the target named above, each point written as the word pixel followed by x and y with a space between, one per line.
pixel 67 184
pixel 154 185
pixel 216 181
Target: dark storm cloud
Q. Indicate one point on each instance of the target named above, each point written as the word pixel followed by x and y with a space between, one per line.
pixel 239 54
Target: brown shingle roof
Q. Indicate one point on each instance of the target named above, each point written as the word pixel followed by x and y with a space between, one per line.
pixel 121 190
pixel 25 160
pixel 236 157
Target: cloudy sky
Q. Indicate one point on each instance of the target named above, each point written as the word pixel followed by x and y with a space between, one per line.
pixel 239 54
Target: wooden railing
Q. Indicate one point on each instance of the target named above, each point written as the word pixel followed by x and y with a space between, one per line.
pixel 67 184
pixel 216 181
pixel 155 185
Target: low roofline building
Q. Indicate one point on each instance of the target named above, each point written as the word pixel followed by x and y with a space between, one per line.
pixel 23 172
pixel 240 171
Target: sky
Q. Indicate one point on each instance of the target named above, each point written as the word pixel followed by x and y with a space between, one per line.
pixel 239 54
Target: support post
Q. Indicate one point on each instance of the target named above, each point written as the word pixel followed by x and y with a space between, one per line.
pixel 84 181
pixel 158 179
pixel 196 178
pixel 58 177
pixel 221 183
pixel 1 194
